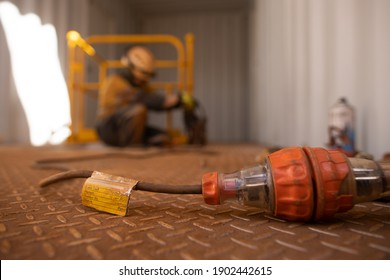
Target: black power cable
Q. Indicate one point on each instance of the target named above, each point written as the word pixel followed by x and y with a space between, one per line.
pixel 141 186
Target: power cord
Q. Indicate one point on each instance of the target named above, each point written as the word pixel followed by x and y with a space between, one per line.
pixel 141 186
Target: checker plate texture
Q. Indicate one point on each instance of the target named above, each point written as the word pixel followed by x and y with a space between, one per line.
pixel 51 223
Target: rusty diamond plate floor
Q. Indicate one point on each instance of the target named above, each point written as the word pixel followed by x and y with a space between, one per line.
pixel 52 223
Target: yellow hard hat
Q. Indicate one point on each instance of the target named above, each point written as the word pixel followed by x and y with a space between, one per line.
pixel 140 60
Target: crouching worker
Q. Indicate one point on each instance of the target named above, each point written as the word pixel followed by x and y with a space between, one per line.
pixel 126 98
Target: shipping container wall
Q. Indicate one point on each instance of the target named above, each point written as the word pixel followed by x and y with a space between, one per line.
pixel 305 56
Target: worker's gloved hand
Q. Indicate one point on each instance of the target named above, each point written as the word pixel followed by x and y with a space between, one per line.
pixel 187 101
pixel 180 100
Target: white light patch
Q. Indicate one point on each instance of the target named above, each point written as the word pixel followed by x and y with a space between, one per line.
pixel 36 69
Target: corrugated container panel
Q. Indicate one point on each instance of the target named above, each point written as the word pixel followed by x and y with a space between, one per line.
pixel 308 54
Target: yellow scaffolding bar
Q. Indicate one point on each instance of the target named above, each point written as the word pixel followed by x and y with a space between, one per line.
pixel 78 47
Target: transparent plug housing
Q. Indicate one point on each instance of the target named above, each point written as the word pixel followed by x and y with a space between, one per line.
pixel 249 186
pixel 371 179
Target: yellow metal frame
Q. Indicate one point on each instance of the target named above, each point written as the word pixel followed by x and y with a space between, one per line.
pixel 79 47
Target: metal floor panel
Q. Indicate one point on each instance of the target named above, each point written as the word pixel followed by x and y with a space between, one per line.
pixel 51 223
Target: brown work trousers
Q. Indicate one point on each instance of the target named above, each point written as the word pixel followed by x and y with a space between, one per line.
pixel 125 127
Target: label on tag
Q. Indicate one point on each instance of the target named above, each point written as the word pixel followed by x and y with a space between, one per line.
pixel 107 193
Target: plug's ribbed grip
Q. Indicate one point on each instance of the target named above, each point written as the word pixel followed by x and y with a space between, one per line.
pixel 330 170
pixel 292 180
pixel 307 183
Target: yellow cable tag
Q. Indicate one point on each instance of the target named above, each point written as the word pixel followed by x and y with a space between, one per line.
pixel 107 193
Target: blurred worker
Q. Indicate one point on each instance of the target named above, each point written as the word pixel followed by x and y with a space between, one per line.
pixel 125 99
